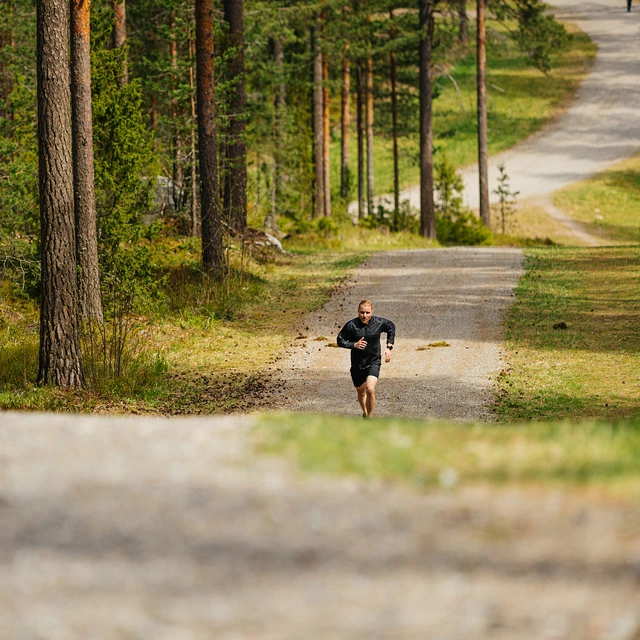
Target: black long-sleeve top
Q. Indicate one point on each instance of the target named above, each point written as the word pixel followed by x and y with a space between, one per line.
pixel 355 329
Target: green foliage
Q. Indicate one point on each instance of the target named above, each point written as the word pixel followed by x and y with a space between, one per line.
pixel 406 219
pixel 538 34
pixel 454 223
pixel 507 198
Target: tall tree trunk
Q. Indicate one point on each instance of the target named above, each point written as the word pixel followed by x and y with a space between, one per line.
pixel 195 227
pixel 6 79
pixel 318 127
pixel 369 105
pixel 235 188
pixel 483 152
pixel 360 128
pixel 60 362
pixel 85 206
pixel 394 125
pixel 119 35
pixel 178 145
pixel 345 173
pixel 427 209
pixel 211 223
pixel 463 22
pixel 326 133
pixel 278 124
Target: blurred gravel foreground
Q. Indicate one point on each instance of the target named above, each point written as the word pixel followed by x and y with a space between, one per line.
pixel 171 529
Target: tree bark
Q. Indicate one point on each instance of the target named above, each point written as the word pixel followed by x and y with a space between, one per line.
pixel 279 105
pixel 345 173
pixel 195 227
pixel 60 362
pixel 235 187
pixel 369 105
pixel 178 145
pixel 463 22
pixel 326 142
pixel 326 133
pixel 394 125
pixel 318 127
pixel 360 128
pixel 119 35
pixel 481 82
pixel 427 208
pixel 6 79
pixel 211 224
pixel 85 206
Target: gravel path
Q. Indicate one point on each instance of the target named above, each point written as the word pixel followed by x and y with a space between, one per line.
pixel 170 529
pixel 458 296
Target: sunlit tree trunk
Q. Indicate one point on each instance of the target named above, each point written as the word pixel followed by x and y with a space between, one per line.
pixel 427 209
pixel 360 136
pixel 85 207
pixel 326 133
pixel 369 109
pixel 6 78
pixel 60 362
pixel 394 124
pixel 483 152
pixel 235 187
pixel 195 227
pixel 119 36
pixel 345 172
pixel 210 215
pixel 279 105
pixel 318 127
pixel 463 22
pixel 178 145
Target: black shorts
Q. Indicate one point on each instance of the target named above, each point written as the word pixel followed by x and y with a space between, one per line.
pixel 359 376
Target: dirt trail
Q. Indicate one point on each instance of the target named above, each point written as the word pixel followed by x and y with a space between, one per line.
pixel 159 529
pixel 458 296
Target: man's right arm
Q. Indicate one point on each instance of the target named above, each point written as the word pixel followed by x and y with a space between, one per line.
pixel 344 337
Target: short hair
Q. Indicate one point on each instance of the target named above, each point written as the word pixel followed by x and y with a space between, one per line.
pixel 366 302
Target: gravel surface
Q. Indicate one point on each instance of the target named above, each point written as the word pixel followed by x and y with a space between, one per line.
pixel 170 529
pixel 458 296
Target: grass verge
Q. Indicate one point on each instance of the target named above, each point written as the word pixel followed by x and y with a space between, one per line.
pixel 429 454
pixel 607 205
pixel 572 337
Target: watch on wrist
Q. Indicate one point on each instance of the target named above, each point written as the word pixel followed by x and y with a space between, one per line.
pixel 390 347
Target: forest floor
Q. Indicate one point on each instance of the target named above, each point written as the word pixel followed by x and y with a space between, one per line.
pixel 114 527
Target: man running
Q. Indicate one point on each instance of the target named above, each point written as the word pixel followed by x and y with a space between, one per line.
pixel 362 336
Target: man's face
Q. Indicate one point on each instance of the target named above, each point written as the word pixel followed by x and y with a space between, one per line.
pixel 364 313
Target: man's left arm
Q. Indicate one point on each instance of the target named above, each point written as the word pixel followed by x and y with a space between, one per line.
pixel 390 329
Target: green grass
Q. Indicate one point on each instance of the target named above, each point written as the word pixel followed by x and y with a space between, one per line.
pixel 430 454
pixel 525 100
pixel 589 369
pixel 607 205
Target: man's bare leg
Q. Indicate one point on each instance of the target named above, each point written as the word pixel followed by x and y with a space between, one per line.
pixel 370 394
pixel 362 397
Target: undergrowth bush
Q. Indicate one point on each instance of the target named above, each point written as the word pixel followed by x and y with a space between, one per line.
pixel 455 224
pixel 116 360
